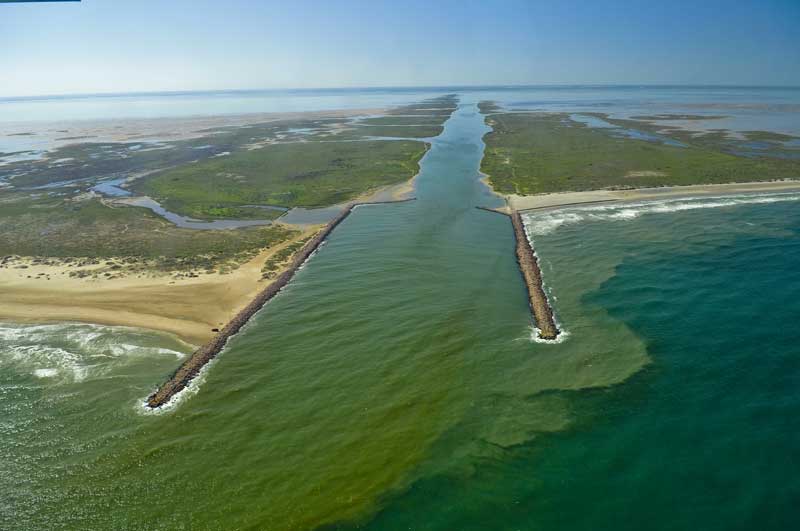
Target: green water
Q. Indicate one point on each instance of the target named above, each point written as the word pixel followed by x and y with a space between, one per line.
pixel 394 384
pixel 703 437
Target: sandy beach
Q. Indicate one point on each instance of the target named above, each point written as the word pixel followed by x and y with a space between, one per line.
pixel 189 307
pixel 393 192
pixel 186 307
pixel 532 202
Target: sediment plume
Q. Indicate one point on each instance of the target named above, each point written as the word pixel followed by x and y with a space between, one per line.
pixel 190 368
pixel 529 266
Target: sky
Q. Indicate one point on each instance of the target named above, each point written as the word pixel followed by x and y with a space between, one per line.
pixel 98 46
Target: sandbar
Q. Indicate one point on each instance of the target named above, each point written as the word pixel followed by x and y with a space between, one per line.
pixel 560 199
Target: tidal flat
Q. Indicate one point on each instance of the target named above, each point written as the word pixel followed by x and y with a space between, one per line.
pixel 155 225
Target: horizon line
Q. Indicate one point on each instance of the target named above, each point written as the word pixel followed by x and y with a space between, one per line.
pixel 179 92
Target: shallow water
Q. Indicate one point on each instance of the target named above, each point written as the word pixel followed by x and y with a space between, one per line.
pixel 394 382
pixel 706 435
pixel 112 188
pixel 599 123
pixel 376 366
pixel 191 223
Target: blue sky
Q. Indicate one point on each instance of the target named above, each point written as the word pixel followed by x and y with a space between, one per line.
pixel 144 45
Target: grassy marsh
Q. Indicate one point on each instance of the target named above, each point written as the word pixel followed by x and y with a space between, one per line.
pixel 70 230
pixel 530 153
pixel 297 174
pixel 225 171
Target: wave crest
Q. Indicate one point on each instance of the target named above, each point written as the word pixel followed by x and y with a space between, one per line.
pixel 72 352
pixel 540 223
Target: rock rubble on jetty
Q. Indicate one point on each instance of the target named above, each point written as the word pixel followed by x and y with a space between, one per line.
pixel 191 367
pixel 529 266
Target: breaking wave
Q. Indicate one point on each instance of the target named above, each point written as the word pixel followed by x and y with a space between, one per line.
pixel 179 398
pixel 540 223
pixel 73 352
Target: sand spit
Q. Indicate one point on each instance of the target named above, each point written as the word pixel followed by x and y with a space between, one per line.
pixel 561 199
pixel 529 265
pixel 192 366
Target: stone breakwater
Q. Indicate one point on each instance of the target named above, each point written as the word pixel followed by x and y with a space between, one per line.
pixel 495 210
pixel 190 368
pixel 529 265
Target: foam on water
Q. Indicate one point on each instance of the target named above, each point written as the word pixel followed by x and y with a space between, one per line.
pixel 73 352
pixel 51 360
pixel 563 335
pixel 182 396
pixel 540 223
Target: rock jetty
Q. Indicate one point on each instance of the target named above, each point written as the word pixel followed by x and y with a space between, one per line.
pixel 529 265
pixel 190 368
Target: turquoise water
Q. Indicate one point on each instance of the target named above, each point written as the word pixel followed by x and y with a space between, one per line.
pixel 706 435
pixel 395 383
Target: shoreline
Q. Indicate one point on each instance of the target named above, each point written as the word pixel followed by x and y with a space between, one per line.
pixel 192 366
pixel 390 193
pixel 563 199
pixel 165 302
pixel 161 128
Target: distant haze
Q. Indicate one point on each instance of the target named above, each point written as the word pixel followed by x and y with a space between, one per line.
pixel 154 45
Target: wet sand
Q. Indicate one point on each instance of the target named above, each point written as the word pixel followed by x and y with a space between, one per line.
pixel 50 135
pixel 186 307
pixel 531 202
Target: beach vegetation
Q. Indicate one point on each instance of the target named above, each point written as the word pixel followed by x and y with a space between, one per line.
pixel 93 230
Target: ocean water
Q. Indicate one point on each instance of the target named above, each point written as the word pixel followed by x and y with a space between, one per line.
pixel 705 435
pixel 395 383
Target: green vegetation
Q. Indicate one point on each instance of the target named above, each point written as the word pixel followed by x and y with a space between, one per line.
pixel 420 120
pixel 95 160
pixel 530 153
pixel 89 161
pixel 488 107
pixel 228 172
pixel 56 228
pixel 722 140
pixel 281 258
pixel 442 106
pixel 359 132
pixel 767 136
pixel 441 113
pixel 296 174
pixel 81 165
pixel 216 211
pixel 405 120
pixel 687 117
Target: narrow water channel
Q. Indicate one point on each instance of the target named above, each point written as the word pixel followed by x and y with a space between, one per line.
pixel 401 350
